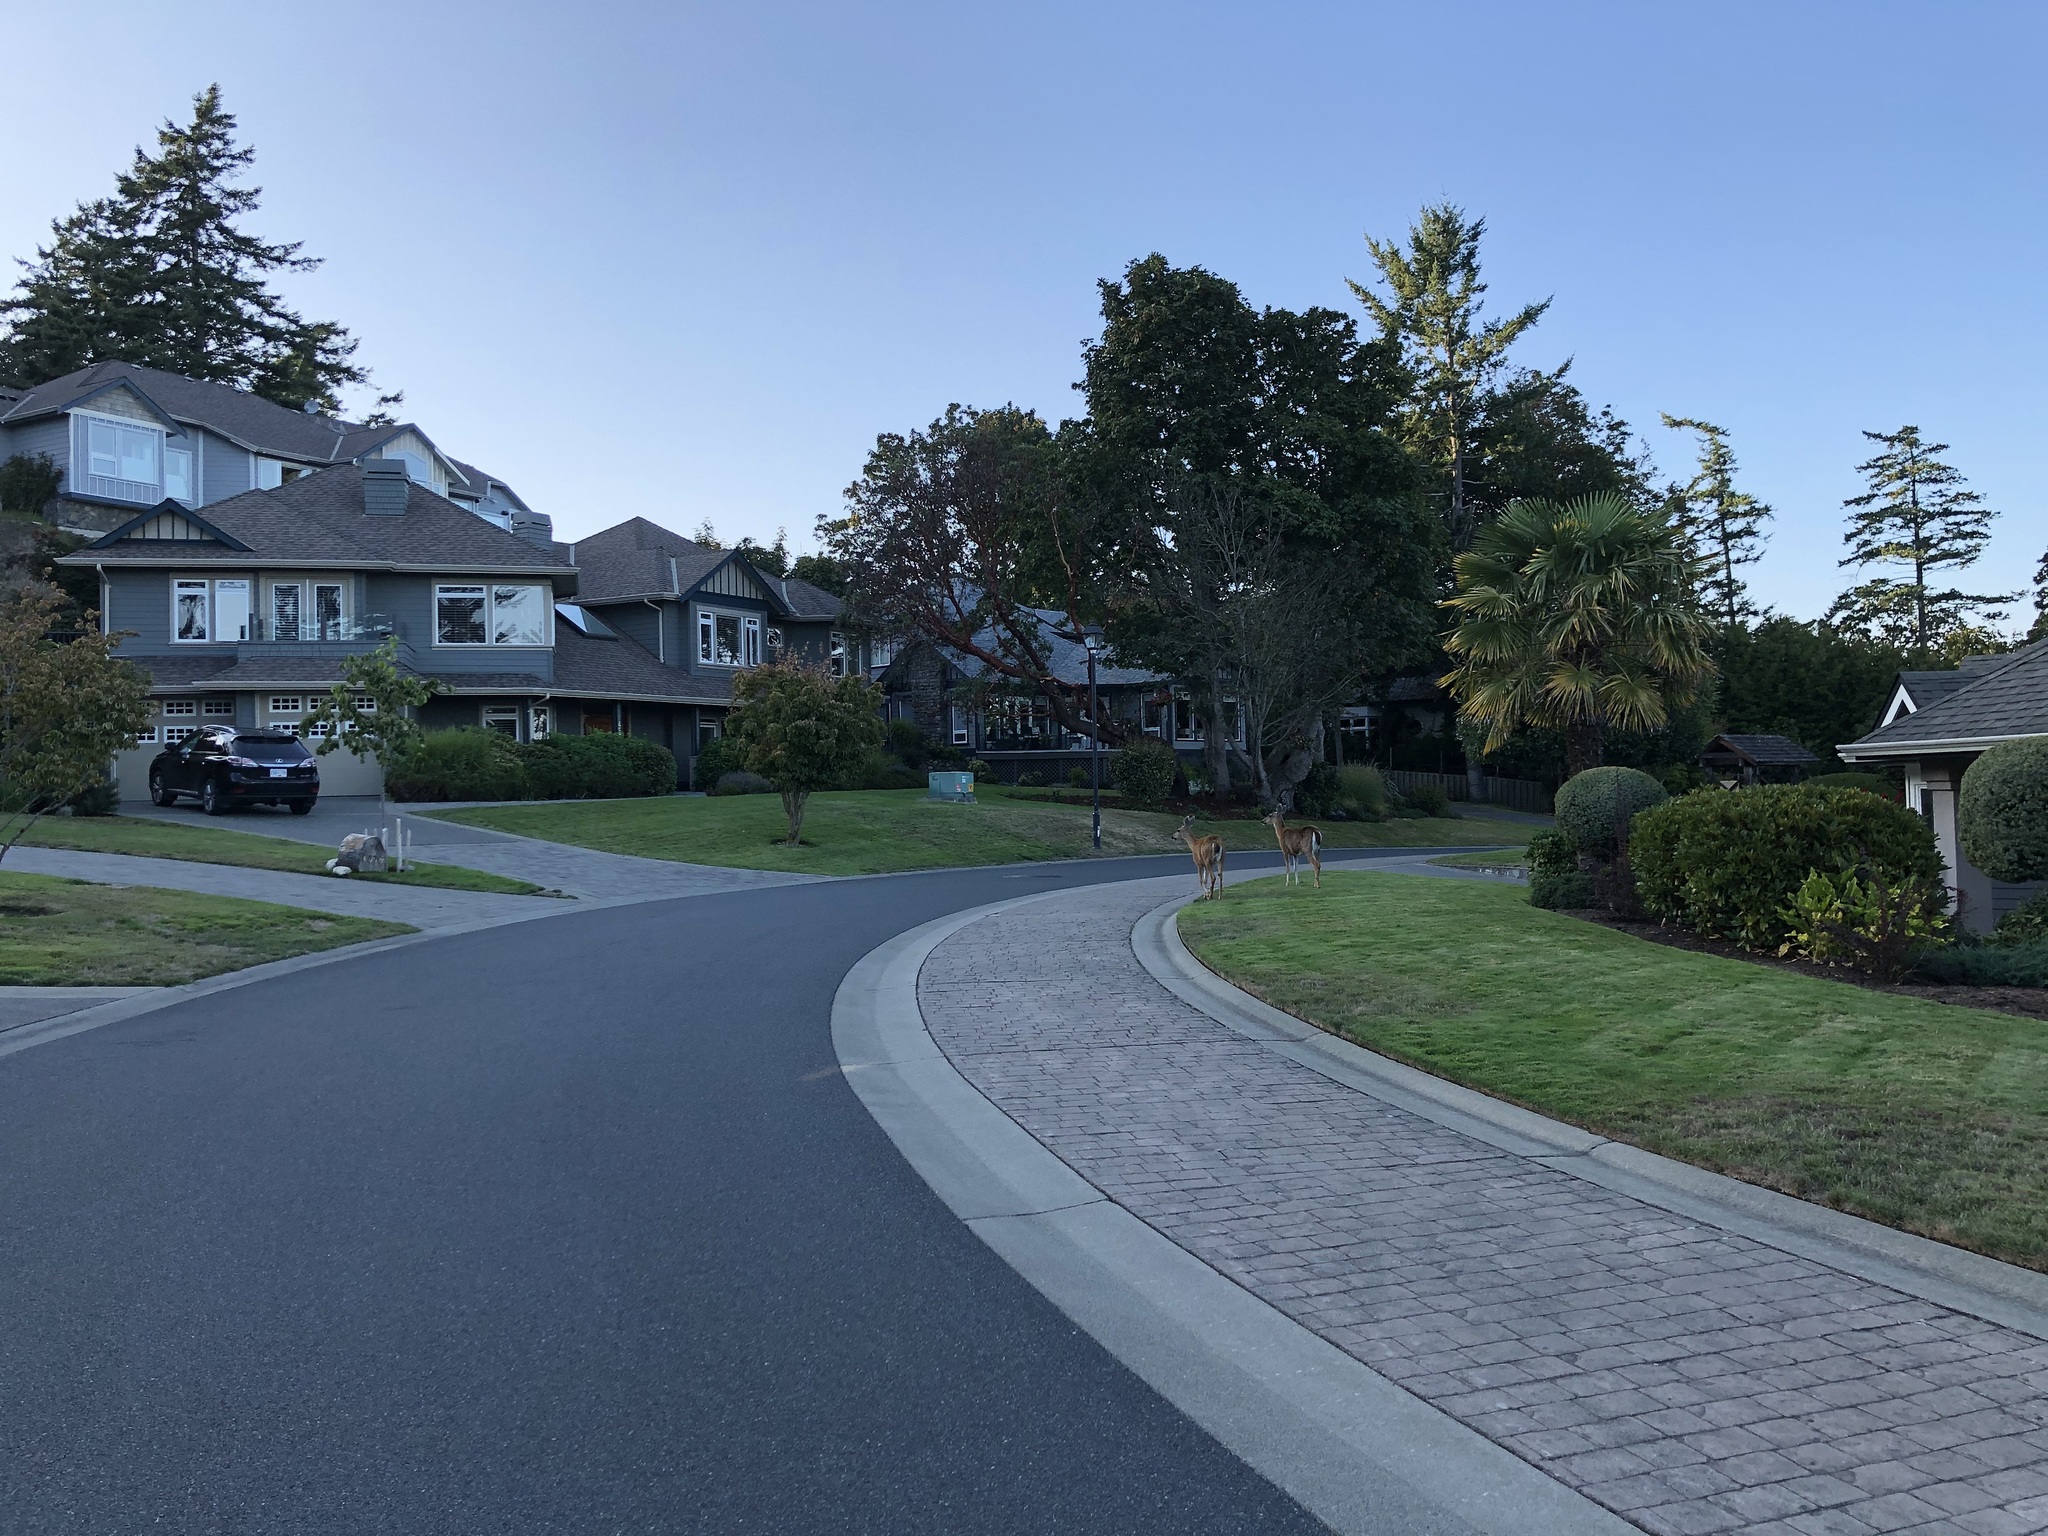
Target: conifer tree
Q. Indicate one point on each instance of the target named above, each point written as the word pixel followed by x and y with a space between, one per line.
pixel 1724 525
pixel 162 274
pixel 1433 316
pixel 1916 514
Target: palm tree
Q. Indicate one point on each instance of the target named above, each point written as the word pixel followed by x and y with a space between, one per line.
pixel 1575 617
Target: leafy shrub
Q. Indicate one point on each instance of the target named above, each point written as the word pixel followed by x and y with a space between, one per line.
pixel 1872 923
pixel 1555 880
pixel 1031 778
pixel 28 482
pixel 1728 864
pixel 982 771
pixel 1683 778
pixel 464 764
pixel 905 741
pixel 1362 793
pixel 102 799
pixel 1145 771
pixel 1869 783
pixel 2002 810
pixel 715 759
pixel 1985 965
pixel 1077 778
pixel 2026 923
pixel 880 770
pixel 1430 800
pixel 1321 792
pixel 600 766
pixel 1594 808
pixel 741 782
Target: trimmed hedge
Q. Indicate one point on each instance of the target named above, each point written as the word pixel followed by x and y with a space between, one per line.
pixel 715 759
pixel 1555 879
pixel 2002 811
pixel 473 764
pixel 1592 805
pixel 1985 965
pixel 1144 771
pixel 1729 863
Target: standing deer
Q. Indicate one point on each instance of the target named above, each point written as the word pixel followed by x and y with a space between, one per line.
pixel 1296 843
pixel 1208 852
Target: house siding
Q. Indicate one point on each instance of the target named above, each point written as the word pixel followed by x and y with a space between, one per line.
pixel 224 469
pixel 51 437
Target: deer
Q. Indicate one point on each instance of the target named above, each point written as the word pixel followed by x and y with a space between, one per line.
pixel 1296 843
pixel 1208 852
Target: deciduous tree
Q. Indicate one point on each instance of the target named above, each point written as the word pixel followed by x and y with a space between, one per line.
pixel 802 730
pixel 369 712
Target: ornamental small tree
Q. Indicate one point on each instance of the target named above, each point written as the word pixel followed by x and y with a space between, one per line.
pixel 67 705
pixel 802 730
pixel 367 712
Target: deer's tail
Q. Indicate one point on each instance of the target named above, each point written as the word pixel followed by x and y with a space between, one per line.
pixel 1315 839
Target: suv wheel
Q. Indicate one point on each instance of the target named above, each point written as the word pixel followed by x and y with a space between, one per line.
pixel 211 799
pixel 302 807
pixel 158 795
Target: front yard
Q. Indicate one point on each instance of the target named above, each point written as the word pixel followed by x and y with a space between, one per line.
pixel 1921 1115
pixel 66 933
pixel 152 839
pixel 864 832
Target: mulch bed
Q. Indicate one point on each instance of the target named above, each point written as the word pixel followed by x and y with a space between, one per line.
pixel 2026 1002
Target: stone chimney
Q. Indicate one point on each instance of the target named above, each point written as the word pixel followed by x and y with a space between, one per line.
pixel 384 486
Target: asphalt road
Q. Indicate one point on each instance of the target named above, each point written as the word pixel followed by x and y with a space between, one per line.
pixel 568 1226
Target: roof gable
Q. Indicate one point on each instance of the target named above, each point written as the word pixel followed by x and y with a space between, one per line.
pixel 168 522
pixel 1997 702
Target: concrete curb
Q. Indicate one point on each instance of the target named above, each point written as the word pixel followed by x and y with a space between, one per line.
pixel 1356 1451
pixel 1950 1277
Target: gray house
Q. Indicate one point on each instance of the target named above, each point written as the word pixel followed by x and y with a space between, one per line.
pixel 1938 723
pixel 125 437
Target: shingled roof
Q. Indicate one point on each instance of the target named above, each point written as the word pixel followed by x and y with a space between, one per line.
pixel 630 560
pixel 618 668
pixel 318 521
pixel 1997 698
pixel 1762 750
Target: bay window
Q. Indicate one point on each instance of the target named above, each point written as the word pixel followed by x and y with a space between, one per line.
pixel 496 614
pixel 121 459
pixel 728 639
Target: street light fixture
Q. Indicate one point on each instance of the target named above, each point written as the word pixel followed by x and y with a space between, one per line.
pixel 1091 637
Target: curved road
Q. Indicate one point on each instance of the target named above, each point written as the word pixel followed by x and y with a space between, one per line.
pixel 567 1226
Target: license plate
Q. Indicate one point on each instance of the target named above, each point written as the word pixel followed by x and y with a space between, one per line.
pixel 277 773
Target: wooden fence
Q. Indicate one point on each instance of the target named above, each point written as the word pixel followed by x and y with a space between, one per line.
pixel 1511 794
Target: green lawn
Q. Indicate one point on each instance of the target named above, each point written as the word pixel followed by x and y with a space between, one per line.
pixel 864 832
pixel 1497 858
pixel 66 933
pixel 1916 1114
pixel 252 850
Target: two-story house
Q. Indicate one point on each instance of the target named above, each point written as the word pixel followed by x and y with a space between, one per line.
pixel 125 437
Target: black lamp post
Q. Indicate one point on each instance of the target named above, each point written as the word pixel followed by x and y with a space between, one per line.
pixel 1092 638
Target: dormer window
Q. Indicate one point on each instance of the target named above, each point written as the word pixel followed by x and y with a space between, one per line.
pixel 728 639
pixel 117 458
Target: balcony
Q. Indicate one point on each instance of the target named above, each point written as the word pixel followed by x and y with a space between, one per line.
pixel 358 629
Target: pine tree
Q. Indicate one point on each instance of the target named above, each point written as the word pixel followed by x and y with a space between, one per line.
pixel 1433 316
pixel 161 274
pixel 1724 525
pixel 1916 514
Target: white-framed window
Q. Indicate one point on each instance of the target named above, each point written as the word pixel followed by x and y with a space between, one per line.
pixel 956 718
pixel 287 706
pixel 186 707
pixel 542 722
pixel 146 737
pixel 502 717
pixel 316 730
pixel 880 653
pixel 285 598
pixel 777 642
pixel 191 610
pixel 178 474
pixel 231 609
pixel 327 615
pixel 117 450
pixel 835 657
pixel 218 709
pixel 173 734
pixel 707 732
pixel 728 639
pixel 365 705
pixel 498 614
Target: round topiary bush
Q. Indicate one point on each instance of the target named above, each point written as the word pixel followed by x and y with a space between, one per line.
pixel 1594 805
pixel 2002 811
pixel 1145 771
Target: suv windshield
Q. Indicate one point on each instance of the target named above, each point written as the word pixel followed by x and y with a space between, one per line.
pixel 271 749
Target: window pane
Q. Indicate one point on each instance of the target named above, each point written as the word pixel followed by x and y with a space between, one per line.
pixel 753 642
pixel 178 473
pixel 459 615
pixel 728 651
pixel 231 609
pixel 327 612
pixel 838 656
pixel 502 717
pixel 191 611
pixel 518 616
pixel 138 455
pixel 703 637
pixel 101 450
pixel 284 612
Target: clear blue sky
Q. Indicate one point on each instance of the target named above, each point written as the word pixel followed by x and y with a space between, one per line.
pixel 686 261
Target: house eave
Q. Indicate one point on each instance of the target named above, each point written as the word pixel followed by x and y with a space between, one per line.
pixel 1857 751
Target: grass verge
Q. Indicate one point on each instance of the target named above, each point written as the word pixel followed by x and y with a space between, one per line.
pixel 1921 1115
pixel 1494 858
pixel 249 850
pixel 865 832
pixel 67 933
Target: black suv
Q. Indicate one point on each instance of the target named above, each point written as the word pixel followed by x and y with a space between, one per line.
pixel 225 767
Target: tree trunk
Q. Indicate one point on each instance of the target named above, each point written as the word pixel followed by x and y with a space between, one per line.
pixel 1582 745
pixel 793 807
pixel 1216 740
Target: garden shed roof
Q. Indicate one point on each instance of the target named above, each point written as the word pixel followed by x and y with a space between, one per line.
pixel 1761 750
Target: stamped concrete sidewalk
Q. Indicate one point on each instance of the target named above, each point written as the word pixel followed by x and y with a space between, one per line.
pixel 1691 1379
